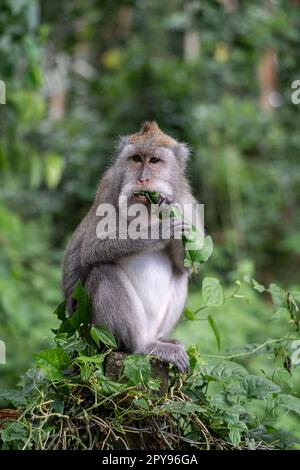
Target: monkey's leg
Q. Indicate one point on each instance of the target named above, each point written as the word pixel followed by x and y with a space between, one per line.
pixel 116 306
pixel 172 350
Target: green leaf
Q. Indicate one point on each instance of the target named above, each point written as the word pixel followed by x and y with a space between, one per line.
pixel 182 408
pixel 283 378
pixel 247 278
pixel 52 362
pixel 189 314
pixel 277 295
pixel 187 262
pixel 36 170
pixel 215 330
pixel 54 165
pixel 65 328
pixel 259 387
pixel 96 359
pixel 58 406
pixel 194 356
pixel 109 387
pixel 60 311
pixel 137 369
pixel 258 287
pixel 206 250
pixel 13 431
pixel 16 397
pixel 141 403
pixel 212 292
pixel 200 250
pixel 100 334
pixel 223 370
pixel 81 316
pixel 289 402
pixel 235 436
pixel 281 314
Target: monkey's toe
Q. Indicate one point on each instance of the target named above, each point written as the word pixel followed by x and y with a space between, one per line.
pixel 181 360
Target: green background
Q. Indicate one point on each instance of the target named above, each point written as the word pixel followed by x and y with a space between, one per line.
pixel 215 74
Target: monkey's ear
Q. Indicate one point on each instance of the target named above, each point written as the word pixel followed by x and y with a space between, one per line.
pixel 182 152
pixel 121 143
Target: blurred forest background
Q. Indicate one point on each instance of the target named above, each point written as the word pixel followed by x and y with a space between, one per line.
pixel 216 74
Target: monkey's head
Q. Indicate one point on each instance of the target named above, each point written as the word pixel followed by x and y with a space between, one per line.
pixel 150 161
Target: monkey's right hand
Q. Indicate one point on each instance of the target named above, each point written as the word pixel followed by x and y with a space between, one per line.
pixel 166 202
pixel 175 228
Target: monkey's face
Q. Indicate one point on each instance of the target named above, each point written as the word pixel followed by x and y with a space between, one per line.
pixel 148 168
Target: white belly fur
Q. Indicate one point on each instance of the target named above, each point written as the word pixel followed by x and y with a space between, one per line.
pixel 160 294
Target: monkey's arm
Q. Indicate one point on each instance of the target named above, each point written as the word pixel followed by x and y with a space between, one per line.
pixel 177 255
pixel 72 267
pixel 95 250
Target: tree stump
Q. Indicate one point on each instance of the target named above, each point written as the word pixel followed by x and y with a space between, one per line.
pixel 159 370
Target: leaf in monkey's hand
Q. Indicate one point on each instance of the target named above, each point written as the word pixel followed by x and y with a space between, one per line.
pixel 200 250
pixel 187 262
pixel 197 249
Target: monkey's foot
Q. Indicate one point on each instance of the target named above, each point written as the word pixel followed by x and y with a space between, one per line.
pixel 169 352
pixel 171 341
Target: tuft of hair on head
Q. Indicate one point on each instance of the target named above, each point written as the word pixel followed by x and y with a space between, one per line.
pixel 149 126
pixel 150 132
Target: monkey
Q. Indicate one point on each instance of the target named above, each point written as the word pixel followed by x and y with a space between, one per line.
pixel 138 287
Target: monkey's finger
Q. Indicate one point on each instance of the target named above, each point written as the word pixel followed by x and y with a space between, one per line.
pixel 183 364
pixel 180 228
pixel 164 202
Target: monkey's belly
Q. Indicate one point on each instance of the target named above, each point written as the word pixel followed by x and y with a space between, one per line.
pixel 151 276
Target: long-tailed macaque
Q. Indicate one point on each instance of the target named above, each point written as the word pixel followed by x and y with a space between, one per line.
pixel 137 287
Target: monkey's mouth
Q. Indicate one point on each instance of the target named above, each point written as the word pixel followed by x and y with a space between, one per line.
pixel 140 197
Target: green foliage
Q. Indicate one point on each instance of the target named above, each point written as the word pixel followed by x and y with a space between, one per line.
pixel 219 404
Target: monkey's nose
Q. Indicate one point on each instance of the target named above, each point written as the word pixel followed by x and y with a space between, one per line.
pixel 143 181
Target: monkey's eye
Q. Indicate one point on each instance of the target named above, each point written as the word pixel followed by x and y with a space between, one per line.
pixel 137 158
pixel 154 160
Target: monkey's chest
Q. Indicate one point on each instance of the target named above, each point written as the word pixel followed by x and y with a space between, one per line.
pixel 151 277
